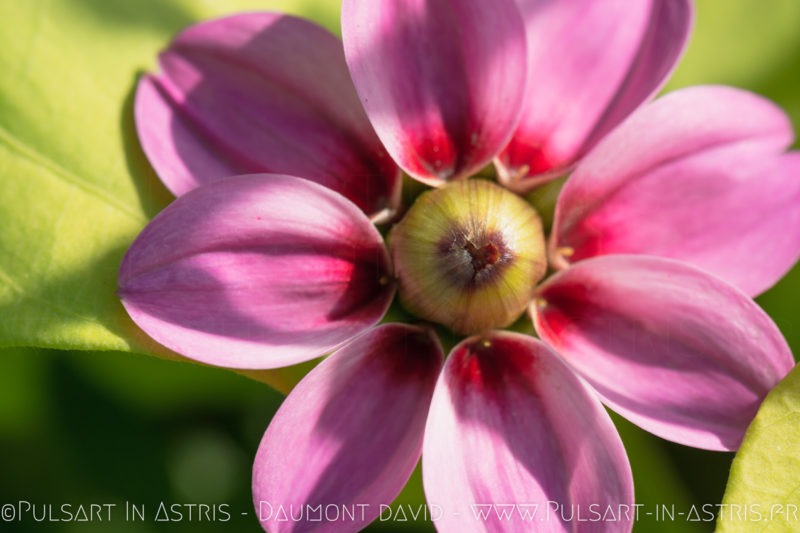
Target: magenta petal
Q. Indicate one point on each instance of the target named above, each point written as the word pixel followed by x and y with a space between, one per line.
pixel 256 271
pixel 515 442
pixel 591 64
pixel 441 81
pixel 676 351
pixel 696 176
pixel 261 92
pixel 348 436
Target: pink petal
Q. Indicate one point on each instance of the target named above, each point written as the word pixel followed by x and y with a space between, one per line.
pixel 591 64
pixel 515 442
pixel 674 350
pixel 696 176
pixel 261 92
pixel 256 271
pixel 348 436
pixel 441 81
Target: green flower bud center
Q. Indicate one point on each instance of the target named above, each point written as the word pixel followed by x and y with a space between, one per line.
pixel 468 256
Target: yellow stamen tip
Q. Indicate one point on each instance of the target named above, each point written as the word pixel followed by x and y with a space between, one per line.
pixel 566 251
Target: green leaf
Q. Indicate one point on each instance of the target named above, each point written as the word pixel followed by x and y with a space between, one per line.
pixel 763 490
pixel 75 188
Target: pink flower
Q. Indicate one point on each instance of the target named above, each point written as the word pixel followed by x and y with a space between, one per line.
pixel 670 220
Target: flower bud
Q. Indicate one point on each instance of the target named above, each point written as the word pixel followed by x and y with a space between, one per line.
pixel 468 256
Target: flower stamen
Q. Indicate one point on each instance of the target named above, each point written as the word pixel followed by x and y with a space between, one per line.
pixel 483 257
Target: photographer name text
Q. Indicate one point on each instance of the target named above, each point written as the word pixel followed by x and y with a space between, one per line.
pixel 27 511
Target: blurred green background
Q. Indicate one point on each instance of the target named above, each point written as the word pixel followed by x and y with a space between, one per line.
pixel 87 427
